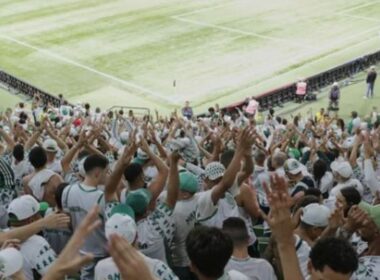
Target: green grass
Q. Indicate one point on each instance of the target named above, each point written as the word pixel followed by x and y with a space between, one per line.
pixel 128 53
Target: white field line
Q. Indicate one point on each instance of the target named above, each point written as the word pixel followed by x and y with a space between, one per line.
pixel 206 9
pixel 238 31
pixel 359 7
pixel 359 17
pixel 90 69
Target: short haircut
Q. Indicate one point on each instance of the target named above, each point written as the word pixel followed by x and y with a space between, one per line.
pixel 37 157
pixel 132 172
pixel 95 161
pixel 335 253
pixel 58 194
pixel 352 195
pixel 18 152
pixel 314 192
pixel 279 159
pixel 305 201
pixel 259 157
pixel 209 250
pixel 236 228
pixel 227 157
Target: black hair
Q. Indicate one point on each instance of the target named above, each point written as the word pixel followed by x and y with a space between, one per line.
pixel 340 124
pixel 94 161
pixel 18 152
pixel 354 114
pixel 335 253
pixel 21 104
pixel 87 106
pixel 227 157
pixel 209 250
pixel 236 228
pixel 352 197
pixel 313 192
pixel 305 201
pixel 319 170
pixel 58 194
pixel 37 157
pixel 271 112
pixel 132 172
pixel 284 121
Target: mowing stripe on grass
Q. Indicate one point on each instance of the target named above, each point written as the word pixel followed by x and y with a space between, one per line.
pixel 148 92
pixel 233 30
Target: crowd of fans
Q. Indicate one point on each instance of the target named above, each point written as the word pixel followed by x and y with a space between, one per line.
pixel 87 194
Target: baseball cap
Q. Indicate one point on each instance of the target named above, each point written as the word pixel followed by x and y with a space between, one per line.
pixel 343 168
pixel 11 261
pixel 123 209
pixel 214 170
pixel 316 215
pixel 139 200
pixel 122 223
pixel 124 137
pixel 24 207
pixel 188 182
pixel 50 145
pixel 292 166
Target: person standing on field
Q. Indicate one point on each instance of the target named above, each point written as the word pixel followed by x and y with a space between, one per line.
pixel 334 97
pixel 301 90
pixel 371 78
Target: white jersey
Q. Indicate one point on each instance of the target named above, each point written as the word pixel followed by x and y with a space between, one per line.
pixel 107 270
pixel 233 275
pixel 303 252
pixel 255 269
pixel 57 238
pixel 226 208
pixel 55 166
pixel 38 256
pixel 155 232
pixel 349 183
pixel 369 268
pixel 185 217
pixel 20 170
pixel 78 200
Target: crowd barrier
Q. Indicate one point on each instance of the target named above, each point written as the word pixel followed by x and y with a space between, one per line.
pixel 27 89
pixel 266 100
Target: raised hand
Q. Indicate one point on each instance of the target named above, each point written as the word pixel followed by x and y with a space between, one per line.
pixel 128 260
pixel 56 221
pixel 70 261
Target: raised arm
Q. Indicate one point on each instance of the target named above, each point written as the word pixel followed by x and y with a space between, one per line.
pixel 7 139
pixel 117 174
pixel 158 184
pixel 32 140
pixel 173 181
pixel 68 158
pixel 61 144
pixel 245 143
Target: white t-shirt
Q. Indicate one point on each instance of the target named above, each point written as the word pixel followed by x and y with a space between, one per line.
pixel 369 268
pixel 155 231
pixel 233 275
pixel 225 208
pixel 303 252
pixel 255 269
pixel 57 238
pixel 107 270
pixel 20 170
pixel 55 166
pixel 38 256
pixel 349 183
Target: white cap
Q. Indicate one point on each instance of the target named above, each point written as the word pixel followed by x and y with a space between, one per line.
pixel 122 225
pixel 343 168
pixel 24 207
pixel 124 136
pixel 348 142
pixel 214 170
pixel 293 166
pixel 316 215
pixel 142 155
pixel 50 145
pixel 11 261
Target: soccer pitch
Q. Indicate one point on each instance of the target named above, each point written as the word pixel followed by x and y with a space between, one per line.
pixel 159 53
